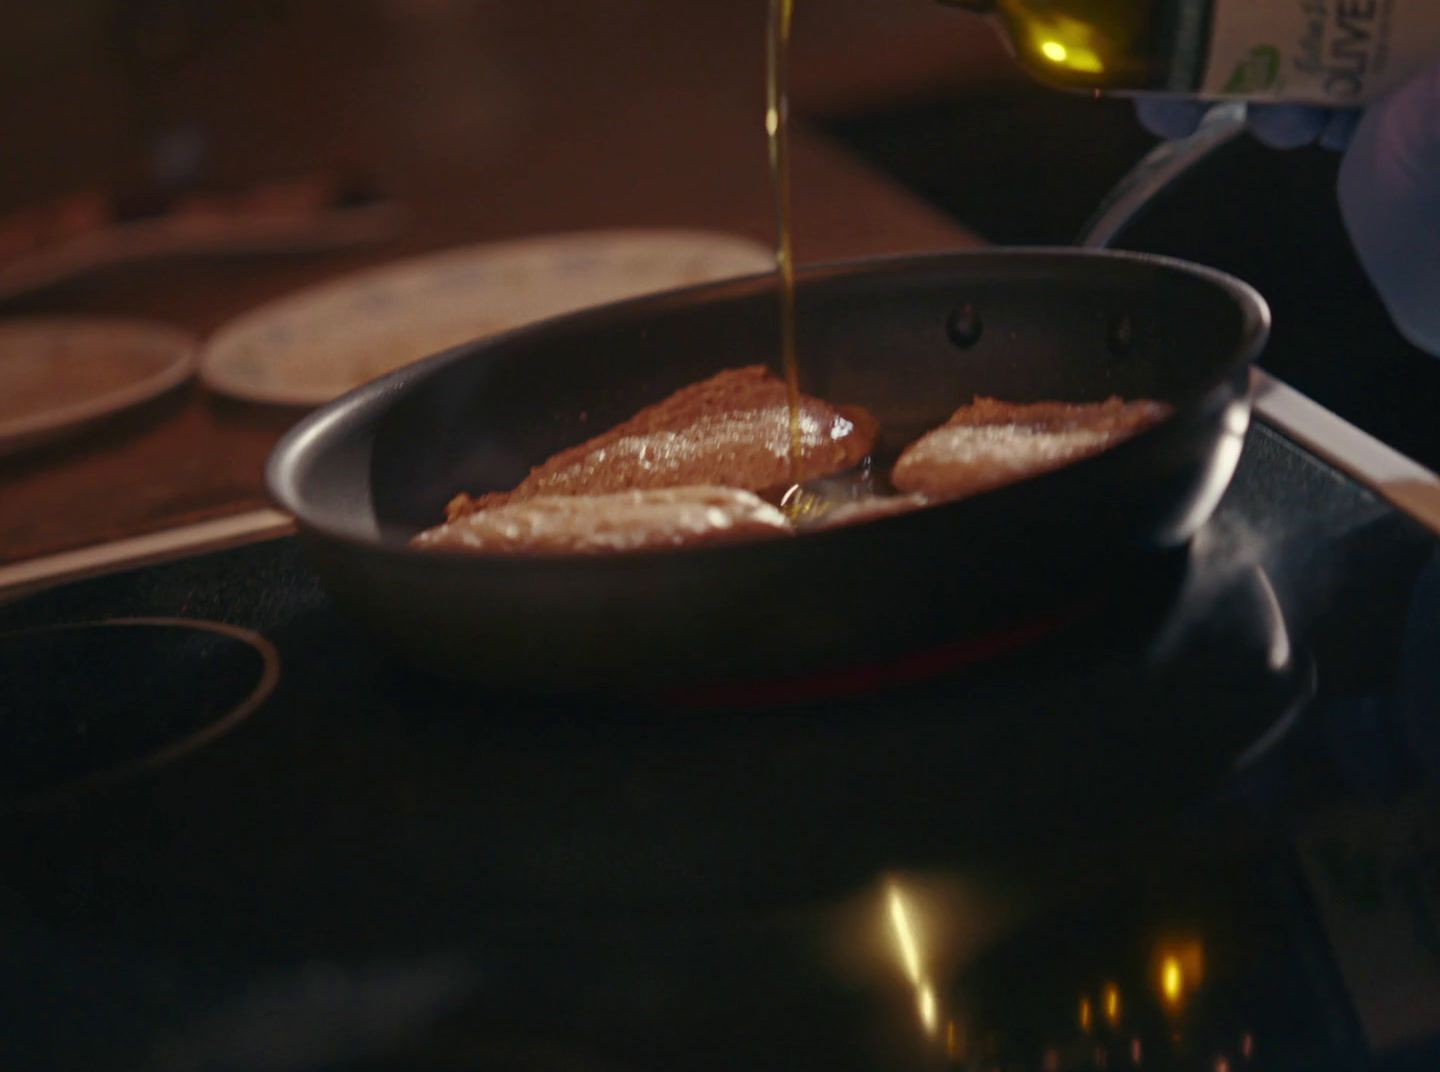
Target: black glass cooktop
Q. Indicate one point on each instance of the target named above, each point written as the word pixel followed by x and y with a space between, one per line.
pixel 1206 838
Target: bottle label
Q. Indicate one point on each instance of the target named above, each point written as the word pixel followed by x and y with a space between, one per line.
pixel 1332 52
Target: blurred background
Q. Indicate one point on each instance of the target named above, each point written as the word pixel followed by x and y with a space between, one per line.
pixel 465 101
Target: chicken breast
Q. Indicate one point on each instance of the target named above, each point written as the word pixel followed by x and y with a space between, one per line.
pixel 732 430
pixel 649 520
pixel 990 443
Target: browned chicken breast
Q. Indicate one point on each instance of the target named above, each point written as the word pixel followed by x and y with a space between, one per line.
pixel 732 430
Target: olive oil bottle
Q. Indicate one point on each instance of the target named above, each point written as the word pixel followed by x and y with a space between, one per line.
pixel 1331 52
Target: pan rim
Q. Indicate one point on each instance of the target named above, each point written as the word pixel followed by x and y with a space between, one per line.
pixel 283 463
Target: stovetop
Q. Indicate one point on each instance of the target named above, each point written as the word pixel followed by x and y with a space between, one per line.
pixel 238 835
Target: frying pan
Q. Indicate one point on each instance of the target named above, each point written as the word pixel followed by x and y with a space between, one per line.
pixel 912 339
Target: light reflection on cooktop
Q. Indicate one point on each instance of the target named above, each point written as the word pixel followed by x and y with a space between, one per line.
pixel 1186 960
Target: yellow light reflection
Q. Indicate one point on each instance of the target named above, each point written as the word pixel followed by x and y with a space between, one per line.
pixel 1112 1004
pixel 904 935
pixel 909 946
pixel 1172 980
pixel 1068 42
pixel 927 1008
pixel 1180 969
pixel 1086 1014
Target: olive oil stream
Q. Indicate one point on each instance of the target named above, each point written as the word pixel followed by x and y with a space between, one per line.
pixel 777 130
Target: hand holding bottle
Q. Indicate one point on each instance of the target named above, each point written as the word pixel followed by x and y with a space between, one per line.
pixel 1312 65
pixel 1389 185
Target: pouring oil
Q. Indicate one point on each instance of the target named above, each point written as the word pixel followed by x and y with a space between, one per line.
pixel 777 132
pixel 802 504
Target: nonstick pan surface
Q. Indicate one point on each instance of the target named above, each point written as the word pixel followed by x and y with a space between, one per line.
pixel 909 338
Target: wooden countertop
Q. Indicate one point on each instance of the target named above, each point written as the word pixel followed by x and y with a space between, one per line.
pixel 485 121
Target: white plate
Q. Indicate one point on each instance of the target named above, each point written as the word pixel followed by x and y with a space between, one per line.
pixel 310 347
pixel 59 373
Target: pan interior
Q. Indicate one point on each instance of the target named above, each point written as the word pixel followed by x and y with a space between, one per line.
pixel 910 339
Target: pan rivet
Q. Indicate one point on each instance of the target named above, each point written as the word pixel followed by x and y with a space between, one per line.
pixel 964 326
pixel 1120 335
